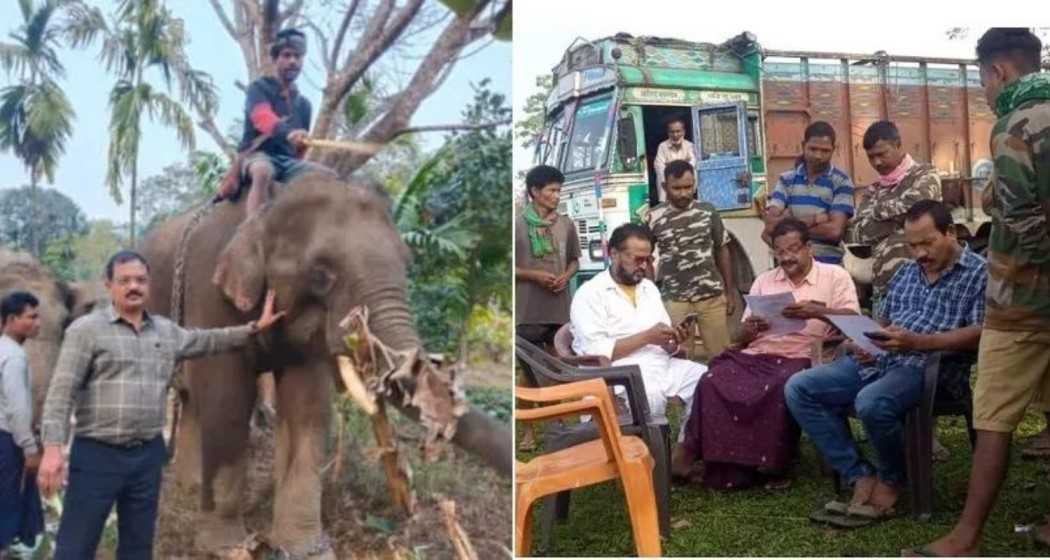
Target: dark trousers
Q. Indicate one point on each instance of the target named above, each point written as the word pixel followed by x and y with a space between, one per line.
pixel 99 476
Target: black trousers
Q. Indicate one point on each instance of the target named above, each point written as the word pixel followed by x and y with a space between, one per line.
pixel 101 475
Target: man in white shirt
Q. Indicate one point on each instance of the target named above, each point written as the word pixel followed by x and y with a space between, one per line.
pixel 676 147
pixel 619 314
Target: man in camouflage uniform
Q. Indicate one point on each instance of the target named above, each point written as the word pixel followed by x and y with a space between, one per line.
pixel 695 271
pixel 1013 366
pixel 879 220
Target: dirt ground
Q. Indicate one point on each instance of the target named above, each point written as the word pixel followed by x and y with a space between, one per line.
pixel 357 510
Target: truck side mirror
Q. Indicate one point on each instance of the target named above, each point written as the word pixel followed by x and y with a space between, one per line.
pixel 627 143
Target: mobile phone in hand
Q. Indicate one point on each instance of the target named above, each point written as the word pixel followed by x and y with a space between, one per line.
pixel 689 321
pixel 878 335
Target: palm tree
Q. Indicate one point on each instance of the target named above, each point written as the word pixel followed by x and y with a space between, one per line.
pixel 36 118
pixel 143 36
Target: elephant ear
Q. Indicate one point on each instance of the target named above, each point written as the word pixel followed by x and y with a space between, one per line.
pixel 240 271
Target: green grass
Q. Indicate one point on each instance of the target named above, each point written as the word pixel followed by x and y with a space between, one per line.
pixel 757 522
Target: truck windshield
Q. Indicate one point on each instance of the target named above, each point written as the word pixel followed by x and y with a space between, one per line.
pixel 552 140
pixel 587 143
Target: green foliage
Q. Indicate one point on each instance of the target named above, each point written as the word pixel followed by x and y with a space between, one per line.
pixel 494 401
pixel 489 330
pixel 93 249
pixel 178 187
pixel 57 217
pixel 454 216
pixel 528 128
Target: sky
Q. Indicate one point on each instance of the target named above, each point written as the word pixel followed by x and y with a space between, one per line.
pixel 543 29
pixel 81 172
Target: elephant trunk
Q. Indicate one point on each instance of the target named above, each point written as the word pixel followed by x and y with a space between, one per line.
pixel 391 320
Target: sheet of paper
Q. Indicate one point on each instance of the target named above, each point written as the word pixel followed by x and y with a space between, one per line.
pixel 854 327
pixel 771 309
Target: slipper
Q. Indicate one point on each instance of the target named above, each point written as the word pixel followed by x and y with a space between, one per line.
pixel 868 511
pixel 778 484
pixel 835 506
pixel 920 552
pixel 837 520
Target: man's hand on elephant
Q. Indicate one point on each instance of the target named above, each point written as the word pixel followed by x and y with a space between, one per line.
pixel 52 472
pixel 268 317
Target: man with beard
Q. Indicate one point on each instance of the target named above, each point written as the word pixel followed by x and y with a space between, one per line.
pixel 113 371
pixel 739 425
pixel 619 314
pixel 880 214
pixel 675 148
pixel 696 275
pixel 816 193
pixel 1013 366
pixel 276 120
pixel 933 303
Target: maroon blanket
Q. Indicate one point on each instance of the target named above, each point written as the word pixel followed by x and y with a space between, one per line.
pixel 739 422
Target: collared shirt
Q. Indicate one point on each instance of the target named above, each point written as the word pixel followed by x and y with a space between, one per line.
pixel 831 191
pixel 688 241
pixel 16 399
pixel 880 220
pixel 826 283
pixel 954 301
pixel 666 153
pixel 602 314
pixel 118 378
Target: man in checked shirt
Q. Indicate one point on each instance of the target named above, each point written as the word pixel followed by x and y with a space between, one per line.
pixel 113 372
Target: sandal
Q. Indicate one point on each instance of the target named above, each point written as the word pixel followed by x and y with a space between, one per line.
pixel 839 521
pixel 868 511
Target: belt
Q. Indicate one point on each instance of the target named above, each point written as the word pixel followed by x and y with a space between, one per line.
pixel 128 444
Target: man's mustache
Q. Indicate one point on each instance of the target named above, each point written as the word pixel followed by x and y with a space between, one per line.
pixel 134 293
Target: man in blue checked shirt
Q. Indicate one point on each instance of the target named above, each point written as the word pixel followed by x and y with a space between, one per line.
pixel 933 303
pixel 817 193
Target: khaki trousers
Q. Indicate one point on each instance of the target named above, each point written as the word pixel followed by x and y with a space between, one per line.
pixel 713 324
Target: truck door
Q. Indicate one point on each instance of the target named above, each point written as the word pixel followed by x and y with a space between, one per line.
pixel 721 144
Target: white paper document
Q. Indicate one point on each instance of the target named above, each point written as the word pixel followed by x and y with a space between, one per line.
pixel 771 308
pixel 854 327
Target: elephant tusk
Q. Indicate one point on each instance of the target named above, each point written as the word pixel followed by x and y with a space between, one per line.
pixel 355 386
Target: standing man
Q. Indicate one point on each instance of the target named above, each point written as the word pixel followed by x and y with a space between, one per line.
pixel 675 148
pixel 619 314
pixel 880 215
pixel 546 255
pixel 21 515
pixel 815 192
pixel 276 120
pixel 695 271
pixel 1013 367
pixel 113 371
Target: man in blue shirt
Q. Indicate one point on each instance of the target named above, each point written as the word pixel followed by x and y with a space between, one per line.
pixel 817 193
pixel 934 303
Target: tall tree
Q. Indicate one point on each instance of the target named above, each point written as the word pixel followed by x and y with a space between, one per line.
pixel 358 44
pixel 143 38
pixel 59 217
pixel 36 118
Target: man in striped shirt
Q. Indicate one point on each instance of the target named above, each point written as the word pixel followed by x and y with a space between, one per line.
pixel 815 192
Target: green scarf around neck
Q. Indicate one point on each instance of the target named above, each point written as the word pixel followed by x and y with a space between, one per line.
pixel 541 240
pixel 1026 88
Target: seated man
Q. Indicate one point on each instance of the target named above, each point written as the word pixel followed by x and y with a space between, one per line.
pixel 619 314
pixel 739 425
pixel 276 120
pixel 933 303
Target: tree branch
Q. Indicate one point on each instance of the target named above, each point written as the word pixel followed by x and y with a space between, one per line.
pixel 292 10
pixel 329 64
pixel 447 47
pixel 225 19
pixel 448 127
pixel 341 34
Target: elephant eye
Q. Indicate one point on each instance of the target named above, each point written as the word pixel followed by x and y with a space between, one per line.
pixel 321 281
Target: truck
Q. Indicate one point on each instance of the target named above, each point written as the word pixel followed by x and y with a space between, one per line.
pixel 746 108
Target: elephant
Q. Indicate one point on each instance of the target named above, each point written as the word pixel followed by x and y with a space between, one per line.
pixel 60 304
pixel 325 246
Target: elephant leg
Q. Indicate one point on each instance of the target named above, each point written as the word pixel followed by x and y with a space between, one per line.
pixel 265 413
pixel 225 392
pixel 187 439
pixel 304 396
